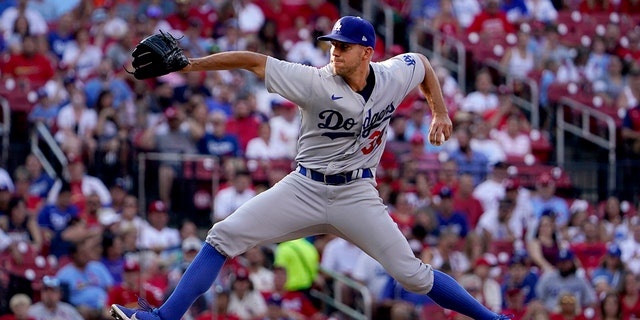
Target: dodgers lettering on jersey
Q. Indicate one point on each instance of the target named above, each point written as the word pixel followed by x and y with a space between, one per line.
pixel 340 131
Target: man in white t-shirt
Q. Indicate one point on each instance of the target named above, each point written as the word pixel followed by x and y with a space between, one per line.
pixel 481 100
pixel 500 224
pixel 370 272
pixel 285 128
pixel 490 191
pixel 157 236
pixel 630 249
pixel 340 256
pixel 231 198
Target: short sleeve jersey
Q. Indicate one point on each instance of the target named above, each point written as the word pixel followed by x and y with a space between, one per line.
pixel 340 131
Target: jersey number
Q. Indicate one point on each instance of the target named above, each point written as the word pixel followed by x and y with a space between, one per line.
pixel 375 140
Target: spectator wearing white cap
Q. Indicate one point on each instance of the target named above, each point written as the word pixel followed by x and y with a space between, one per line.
pixel 190 248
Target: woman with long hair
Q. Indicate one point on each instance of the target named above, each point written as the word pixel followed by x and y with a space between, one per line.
pixel 630 296
pixel 544 247
pixel 610 308
pixel 21 226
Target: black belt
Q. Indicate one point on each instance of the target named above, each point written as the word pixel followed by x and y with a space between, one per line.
pixel 335 179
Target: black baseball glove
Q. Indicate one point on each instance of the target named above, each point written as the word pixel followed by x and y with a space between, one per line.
pixel 156 56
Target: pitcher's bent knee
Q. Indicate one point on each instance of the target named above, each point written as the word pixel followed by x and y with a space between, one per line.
pixel 219 239
pixel 419 282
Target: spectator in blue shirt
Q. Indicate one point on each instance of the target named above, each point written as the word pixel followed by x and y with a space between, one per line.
pixel 56 218
pixel 447 217
pixel 105 80
pixel 113 256
pixel 519 276
pixel 61 36
pixel 545 199
pixel 218 142
pixel 88 280
pixel 469 161
pixel 45 111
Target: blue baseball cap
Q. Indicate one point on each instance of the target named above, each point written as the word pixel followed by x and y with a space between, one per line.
pixel 614 250
pixel 350 29
pixel 565 254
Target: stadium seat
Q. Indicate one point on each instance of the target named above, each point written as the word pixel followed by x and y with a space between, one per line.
pixel 528 174
pixel 202 169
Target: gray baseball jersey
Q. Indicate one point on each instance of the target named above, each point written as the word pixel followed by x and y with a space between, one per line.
pixel 340 132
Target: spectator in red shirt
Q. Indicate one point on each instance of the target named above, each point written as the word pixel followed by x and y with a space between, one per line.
pixel 630 296
pixel 30 66
pixel 447 177
pixel 279 12
pixel 243 124
pixel 127 292
pixel 179 20
pixel 90 213
pixel 207 14
pixel 592 249
pixel 491 22
pixel 464 201
pixel 425 162
pixel 403 214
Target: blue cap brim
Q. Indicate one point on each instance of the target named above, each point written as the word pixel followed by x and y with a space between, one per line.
pixel 336 37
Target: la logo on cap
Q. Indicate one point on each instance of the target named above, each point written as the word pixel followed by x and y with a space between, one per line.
pixel 337 26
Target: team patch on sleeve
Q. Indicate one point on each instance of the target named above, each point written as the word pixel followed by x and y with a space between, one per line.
pixel 409 60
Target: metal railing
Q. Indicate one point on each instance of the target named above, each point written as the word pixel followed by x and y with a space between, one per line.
pixel 532 105
pixel 5 131
pixel 583 129
pixel 210 162
pixel 39 133
pixel 458 67
pixel 337 302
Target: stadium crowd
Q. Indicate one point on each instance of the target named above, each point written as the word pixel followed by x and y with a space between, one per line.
pixel 72 245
